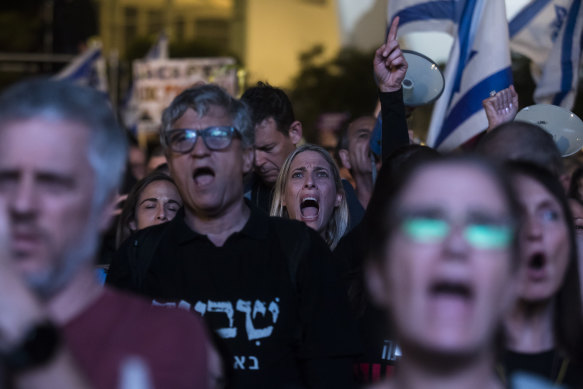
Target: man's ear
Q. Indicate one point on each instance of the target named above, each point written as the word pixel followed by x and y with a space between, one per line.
pixel 375 283
pixel 248 156
pixel 295 132
pixel 343 154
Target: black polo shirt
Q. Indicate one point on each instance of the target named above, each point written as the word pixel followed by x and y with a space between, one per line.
pixel 272 292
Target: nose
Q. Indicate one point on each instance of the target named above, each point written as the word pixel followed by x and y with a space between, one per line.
pixel 259 159
pixel 532 228
pixel 162 214
pixel 199 150
pixel 456 245
pixel 23 200
pixel 309 181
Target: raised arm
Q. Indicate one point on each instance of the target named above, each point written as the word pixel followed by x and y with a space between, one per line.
pixel 501 107
pixel 390 68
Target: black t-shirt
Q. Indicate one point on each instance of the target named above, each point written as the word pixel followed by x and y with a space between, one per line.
pixel 285 321
pixel 549 365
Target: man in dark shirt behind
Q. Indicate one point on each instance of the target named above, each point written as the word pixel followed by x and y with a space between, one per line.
pixel 266 285
pixel 277 133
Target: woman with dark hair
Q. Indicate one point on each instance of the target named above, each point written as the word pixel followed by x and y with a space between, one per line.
pixel 442 264
pixel 152 200
pixel 545 328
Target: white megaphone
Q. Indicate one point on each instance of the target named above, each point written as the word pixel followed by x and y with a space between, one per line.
pixel 565 127
pixel 423 82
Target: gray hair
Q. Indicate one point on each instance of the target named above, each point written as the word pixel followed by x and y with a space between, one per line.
pixel 62 100
pixel 200 98
pixel 107 153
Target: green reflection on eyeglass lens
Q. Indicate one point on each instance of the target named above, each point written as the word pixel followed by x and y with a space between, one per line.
pixel 480 236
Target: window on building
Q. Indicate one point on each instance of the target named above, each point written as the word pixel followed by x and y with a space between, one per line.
pixel 130 23
pixel 155 21
pixel 213 31
pixel 179 28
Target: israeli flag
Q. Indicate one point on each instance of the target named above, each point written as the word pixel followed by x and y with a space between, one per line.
pixel 129 105
pixel 87 69
pixel 550 33
pixel 479 61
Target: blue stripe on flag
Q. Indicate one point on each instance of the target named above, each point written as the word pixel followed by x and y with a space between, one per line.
pixel 83 70
pixel 471 102
pixel 465 42
pixel 525 16
pixel 444 9
pixel 566 55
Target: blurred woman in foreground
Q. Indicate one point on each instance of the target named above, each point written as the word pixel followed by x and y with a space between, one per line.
pixel 443 264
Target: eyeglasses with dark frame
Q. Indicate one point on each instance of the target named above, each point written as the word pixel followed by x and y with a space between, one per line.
pixel 182 140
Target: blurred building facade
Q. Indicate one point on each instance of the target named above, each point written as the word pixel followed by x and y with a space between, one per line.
pixel 267 36
pixel 121 22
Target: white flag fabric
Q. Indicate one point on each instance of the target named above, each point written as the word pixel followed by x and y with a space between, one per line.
pixel 550 33
pixel 129 105
pixel 87 69
pixel 479 62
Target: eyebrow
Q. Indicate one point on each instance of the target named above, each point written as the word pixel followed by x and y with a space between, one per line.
pixel 148 199
pixel 265 146
pixel 62 178
pixel 316 169
pixel 548 203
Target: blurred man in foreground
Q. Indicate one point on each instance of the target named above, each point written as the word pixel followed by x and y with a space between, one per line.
pixel 61 160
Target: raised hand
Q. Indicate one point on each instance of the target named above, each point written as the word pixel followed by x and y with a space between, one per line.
pixel 389 63
pixel 502 107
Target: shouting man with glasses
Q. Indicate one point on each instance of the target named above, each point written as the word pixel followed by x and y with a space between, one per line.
pixel 266 286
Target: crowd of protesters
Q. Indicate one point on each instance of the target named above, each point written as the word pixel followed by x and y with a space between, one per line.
pixel 245 260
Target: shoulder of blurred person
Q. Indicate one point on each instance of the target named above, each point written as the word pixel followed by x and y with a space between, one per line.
pixel 118 328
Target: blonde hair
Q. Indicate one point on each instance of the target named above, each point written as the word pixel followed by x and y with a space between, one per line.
pixel 338 224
